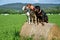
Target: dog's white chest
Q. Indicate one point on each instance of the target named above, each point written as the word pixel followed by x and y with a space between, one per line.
pixel 28 13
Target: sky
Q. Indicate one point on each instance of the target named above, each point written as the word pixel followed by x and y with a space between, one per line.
pixel 29 1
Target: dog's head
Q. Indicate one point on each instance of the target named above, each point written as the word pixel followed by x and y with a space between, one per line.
pixel 37 8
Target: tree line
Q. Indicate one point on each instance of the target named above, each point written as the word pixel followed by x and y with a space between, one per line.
pixel 54 10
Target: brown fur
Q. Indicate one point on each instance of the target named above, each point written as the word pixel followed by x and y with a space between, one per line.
pixel 32 14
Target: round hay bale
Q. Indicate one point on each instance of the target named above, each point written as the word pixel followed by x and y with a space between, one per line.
pixel 38 32
pixel 54 33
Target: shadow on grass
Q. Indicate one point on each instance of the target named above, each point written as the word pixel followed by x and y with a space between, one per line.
pixel 16 35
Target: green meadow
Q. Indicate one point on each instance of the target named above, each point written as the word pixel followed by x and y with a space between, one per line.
pixel 54 19
pixel 10 25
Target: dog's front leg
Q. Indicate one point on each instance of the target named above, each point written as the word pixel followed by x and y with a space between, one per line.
pixel 37 21
pixel 42 22
pixel 28 14
pixel 29 19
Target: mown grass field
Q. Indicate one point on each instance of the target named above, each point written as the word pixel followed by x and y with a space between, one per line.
pixel 54 19
pixel 11 25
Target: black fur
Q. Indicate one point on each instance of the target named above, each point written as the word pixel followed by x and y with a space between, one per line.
pixel 41 16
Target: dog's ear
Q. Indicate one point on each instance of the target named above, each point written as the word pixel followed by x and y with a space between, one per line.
pixel 37 7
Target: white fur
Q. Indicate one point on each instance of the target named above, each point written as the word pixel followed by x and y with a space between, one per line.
pixel 27 13
pixel 29 19
pixel 23 8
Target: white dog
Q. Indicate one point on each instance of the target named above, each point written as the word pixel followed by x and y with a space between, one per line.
pixel 24 8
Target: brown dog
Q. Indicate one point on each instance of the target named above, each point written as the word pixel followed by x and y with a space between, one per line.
pixel 32 14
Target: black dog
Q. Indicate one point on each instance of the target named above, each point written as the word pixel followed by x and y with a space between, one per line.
pixel 41 15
